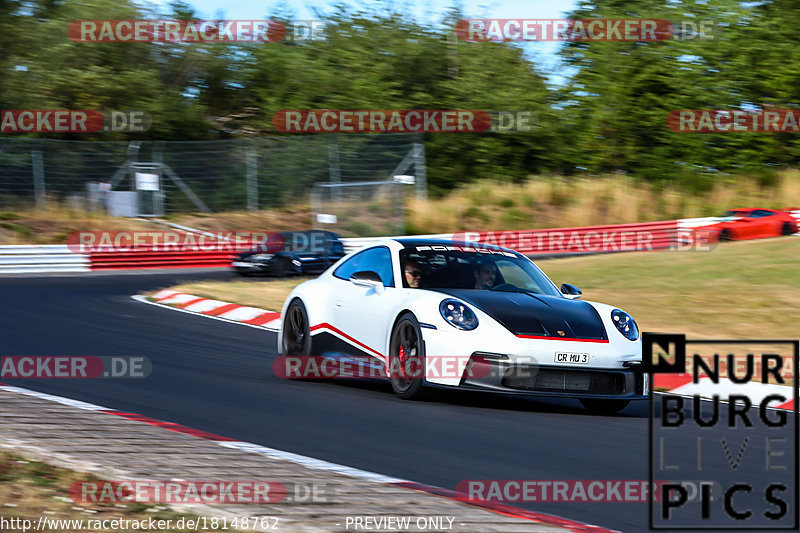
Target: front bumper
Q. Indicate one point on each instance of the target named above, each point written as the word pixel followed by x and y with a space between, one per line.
pixel 628 382
pixel 491 358
pixel 250 267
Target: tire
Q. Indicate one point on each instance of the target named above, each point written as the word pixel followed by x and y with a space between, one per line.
pixel 296 337
pixel 282 270
pixel 725 235
pixel 603 406
pixel 787 229
pixel 405 345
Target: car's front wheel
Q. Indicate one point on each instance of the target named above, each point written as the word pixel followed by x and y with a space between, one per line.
pixel 407 359
pixel 787 229
pixel 603 405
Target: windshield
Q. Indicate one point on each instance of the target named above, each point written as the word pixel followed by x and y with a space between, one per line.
pixel 467 268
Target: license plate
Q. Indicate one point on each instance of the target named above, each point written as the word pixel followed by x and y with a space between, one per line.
pixel 572 358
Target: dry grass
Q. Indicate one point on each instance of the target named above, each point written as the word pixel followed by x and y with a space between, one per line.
pixel 30 489
pixel 295 217
pixel 266 293
pixel 546 202
pixel 54 224
pixel 541 202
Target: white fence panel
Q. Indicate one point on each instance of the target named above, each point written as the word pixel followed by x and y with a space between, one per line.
pixel 32 259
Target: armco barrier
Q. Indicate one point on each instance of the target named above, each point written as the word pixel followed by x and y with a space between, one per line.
pixel 595 239
pixel 161 259
pixel 567 241
pixel 587 240
pixel 32 259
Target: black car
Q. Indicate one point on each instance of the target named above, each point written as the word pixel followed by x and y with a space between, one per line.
pixel 291 252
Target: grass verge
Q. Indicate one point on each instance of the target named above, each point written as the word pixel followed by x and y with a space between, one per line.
pixel 31 489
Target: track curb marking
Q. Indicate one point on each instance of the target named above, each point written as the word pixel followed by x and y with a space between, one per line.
pixel 208 307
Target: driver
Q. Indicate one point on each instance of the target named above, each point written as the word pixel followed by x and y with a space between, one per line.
pixel 412 274
pixel 484 275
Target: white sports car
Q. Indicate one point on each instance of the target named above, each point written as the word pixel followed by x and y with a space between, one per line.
pixel 432 313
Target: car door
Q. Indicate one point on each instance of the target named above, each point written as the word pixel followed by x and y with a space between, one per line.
pixel 760 223
pixel 773 223
pixel 363 314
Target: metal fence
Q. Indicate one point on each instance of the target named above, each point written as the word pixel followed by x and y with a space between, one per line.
pixel 204 175
pixel 363 209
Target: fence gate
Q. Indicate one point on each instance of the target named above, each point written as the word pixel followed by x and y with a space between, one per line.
pixel 149 191
pixel 366 208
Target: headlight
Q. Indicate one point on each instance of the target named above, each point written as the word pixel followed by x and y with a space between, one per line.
pixel 625 324
pixel 261 257
pixel 457 314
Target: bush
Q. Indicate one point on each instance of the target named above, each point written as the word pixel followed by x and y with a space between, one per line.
pixel 506 202
pixel 475 213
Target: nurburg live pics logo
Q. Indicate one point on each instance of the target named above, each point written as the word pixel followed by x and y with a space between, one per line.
pixel 734 436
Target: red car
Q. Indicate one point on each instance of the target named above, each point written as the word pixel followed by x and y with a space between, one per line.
pixel 751 223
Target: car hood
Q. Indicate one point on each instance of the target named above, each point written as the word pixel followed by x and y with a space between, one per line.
pixel 536 315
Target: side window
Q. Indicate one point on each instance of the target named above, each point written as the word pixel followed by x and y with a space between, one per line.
pixel 377 259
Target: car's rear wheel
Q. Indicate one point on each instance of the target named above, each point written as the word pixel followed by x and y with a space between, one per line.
pixel 407 359
pixel 296 338
pixel 725 235
pixel 603 405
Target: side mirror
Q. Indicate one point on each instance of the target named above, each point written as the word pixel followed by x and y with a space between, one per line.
pixel 571 291
pixel 367 278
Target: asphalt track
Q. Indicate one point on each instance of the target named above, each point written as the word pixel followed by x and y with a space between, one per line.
pixel 217 376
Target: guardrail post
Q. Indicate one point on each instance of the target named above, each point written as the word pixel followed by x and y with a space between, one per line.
pixel 334 170
pixel 251 160
pixel 421 179
pixel 39 190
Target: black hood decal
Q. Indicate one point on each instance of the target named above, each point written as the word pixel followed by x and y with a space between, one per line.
pixel 536 315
